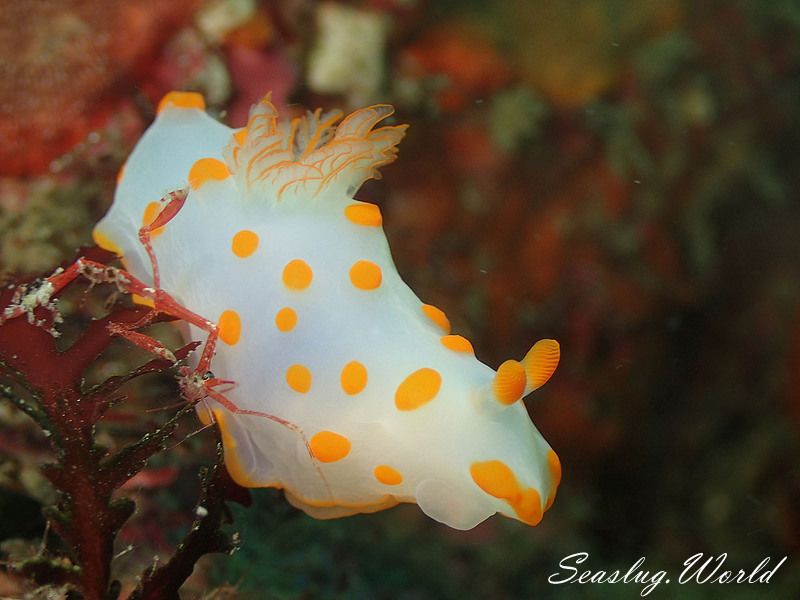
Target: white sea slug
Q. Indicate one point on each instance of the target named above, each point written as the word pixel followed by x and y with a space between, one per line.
pixel 317 328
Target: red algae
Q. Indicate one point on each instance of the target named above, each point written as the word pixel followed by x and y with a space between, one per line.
pixel 48 385
pixel 256 71
pixel 66 63
pixel 466 55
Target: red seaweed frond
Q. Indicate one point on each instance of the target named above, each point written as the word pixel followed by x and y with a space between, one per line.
pixel 47 384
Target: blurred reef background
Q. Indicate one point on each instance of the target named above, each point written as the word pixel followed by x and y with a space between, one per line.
pixel 621 176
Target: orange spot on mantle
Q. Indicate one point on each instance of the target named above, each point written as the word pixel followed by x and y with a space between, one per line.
pixel 244 243
pixel 496 479
pixel 365 275
pixel 120 174
pixel 297 275
pixel 151 211
pixel 554 466
pixel 366 215
pixel 328 446
pixel 417 389
pixel 205 170
pixel 353 378
pixel 437 316
pixel 105 242
pixel 457 343
pixel 285 319
pixel 299 378
pixel 182 100
pixel 230 327
pixel 387 475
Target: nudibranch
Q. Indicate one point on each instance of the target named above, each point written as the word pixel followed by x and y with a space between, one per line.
pixel 316 326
